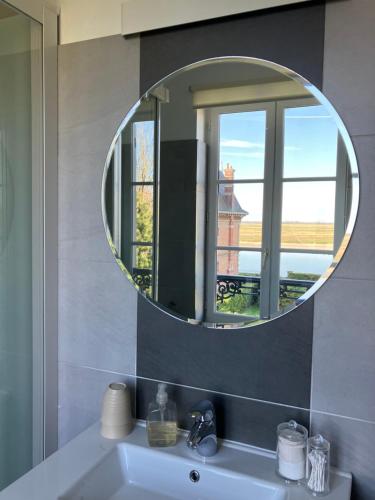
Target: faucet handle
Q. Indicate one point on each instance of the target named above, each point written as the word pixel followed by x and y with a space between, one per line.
pixel 199 416
pixel 202 435
pixel 203 411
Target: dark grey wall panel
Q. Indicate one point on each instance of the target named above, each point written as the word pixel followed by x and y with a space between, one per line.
pixel 292 36
pixel 271 362
pixel 238 419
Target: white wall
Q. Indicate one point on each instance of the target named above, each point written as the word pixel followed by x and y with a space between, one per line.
pixel 88 19
pixel 144 15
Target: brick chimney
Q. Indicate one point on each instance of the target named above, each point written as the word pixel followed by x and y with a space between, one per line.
pixel 229 172
pixel 229 176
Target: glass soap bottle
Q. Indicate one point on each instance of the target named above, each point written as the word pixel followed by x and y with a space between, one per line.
pixel 291 451
pixel 162 420
pixel 318 465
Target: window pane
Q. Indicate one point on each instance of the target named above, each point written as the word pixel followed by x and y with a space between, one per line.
pixel 303 265
pixel 238 262
pixel 242 145
pixel 143 159
pixel 239 215
pixel 238 282
pixel 298 272
pixel 144 209
pixel 308 210
pixel 310 142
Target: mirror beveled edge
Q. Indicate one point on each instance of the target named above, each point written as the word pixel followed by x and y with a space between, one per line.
pixel 320 97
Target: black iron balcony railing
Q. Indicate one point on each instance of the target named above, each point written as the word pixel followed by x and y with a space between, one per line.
pixel 293 289
pixel 230 286
pixel 142 278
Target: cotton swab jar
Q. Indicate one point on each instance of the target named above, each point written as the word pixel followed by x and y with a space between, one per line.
pixel 318 465
pixel 291 451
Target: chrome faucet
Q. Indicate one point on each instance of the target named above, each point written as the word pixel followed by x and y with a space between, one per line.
pixel 202 436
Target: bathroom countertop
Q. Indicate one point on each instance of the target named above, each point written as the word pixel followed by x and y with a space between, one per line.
pixel 61 471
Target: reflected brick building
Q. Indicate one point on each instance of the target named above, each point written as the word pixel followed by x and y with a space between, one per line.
pixel 230 214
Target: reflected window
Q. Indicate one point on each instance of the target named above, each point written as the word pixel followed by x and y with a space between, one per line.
pixel 277 205
pixel 131 195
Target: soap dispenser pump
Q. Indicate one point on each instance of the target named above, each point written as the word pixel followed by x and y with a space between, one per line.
pixel 161 420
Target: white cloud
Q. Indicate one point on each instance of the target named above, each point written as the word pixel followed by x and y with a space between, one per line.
pixel 255 154
pixel 306 117
pixel 236 143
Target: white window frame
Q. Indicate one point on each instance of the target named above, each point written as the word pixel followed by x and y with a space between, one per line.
pixel 272 204
pixel 212 316
pixel 154 184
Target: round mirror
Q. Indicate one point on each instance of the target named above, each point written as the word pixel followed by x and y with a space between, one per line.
pixel 230 192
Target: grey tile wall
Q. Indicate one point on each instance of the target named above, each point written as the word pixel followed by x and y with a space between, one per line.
pixel 344 349
pixel 353 443
pixel 344 332
pixel 98 83
pixel 81 391
pixel 349 71
pixel 98 324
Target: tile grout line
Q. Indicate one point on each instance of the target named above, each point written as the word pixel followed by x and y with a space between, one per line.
pixel 272 403
pixel 341 278
pixel 354 136
pixel 345 417
pixel 184 386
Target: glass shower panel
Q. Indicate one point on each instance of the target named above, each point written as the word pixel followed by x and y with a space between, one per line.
pixel 20 112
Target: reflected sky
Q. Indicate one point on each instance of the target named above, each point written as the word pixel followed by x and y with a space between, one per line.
pixel 310 150
pixel 310 142
pixel 242 143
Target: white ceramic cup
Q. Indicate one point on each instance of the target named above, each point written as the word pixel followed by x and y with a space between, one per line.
pixel 117 420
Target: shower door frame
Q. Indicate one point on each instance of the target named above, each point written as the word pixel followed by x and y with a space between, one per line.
pixel 44 99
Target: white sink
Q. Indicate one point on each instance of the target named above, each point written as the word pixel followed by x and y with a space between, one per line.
pixel 91 467
pixel 134 472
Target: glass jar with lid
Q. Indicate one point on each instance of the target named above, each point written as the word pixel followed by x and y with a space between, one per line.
pixel 291 451
pixel 318 465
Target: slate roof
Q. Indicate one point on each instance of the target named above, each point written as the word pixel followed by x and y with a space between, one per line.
pixel 228 203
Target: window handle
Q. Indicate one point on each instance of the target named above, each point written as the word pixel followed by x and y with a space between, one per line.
pixel 265 255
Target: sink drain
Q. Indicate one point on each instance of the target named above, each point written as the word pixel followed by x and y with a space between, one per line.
pixel 194 476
